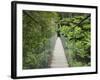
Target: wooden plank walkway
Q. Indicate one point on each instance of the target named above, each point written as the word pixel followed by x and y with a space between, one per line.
pixel 58 59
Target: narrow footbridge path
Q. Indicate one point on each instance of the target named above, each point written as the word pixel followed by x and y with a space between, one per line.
pixel 58 59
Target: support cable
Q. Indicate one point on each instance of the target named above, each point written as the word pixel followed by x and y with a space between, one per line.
pixel 31 17
pixel 82 21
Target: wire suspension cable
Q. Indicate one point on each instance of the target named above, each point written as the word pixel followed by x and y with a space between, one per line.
pixel 82 20
pixel 31 17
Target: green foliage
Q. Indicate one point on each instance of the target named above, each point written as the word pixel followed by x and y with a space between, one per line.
pixel 38 30
pixel 77 40
pixel 39 35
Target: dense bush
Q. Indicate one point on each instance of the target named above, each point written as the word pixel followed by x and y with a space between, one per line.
pixel 39 35
pixel 77 40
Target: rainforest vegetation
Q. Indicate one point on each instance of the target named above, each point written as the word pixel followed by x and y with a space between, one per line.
pixel 40 33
